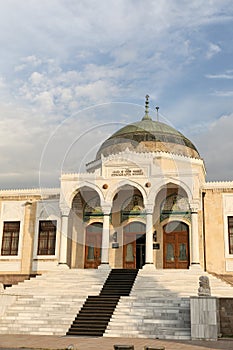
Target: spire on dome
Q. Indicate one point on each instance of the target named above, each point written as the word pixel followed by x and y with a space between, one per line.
pixel 146 116
pixel 157 109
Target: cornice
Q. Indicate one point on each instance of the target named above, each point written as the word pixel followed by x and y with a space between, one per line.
pixel 143 155
pixel 30 192
pixel 218 184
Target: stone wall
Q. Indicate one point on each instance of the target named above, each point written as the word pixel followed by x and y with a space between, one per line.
pixel 226 316
pixel 11 278
pixel 214 231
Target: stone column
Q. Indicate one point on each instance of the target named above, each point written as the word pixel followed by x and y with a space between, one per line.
pixel 149 238
pixel 64 236
pixel 28 238
pixel 195 262
pixel 105 239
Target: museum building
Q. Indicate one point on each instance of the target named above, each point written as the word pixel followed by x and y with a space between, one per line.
pixel 143 202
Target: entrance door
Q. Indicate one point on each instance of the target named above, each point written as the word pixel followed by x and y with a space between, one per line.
pixel 93 246
pixel 176 245
pixel 140 250
pixel 134 245
pixel 129 251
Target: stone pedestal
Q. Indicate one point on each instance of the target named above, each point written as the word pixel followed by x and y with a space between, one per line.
pixel 149 268
pixel 204 318
pixel 196 268
pixel 104 266
pixel 63 266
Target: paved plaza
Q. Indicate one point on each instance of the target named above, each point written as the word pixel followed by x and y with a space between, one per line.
pixel 101 343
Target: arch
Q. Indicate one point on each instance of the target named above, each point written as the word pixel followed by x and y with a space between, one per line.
pixel 130 226
pixel 88 185
pixel 183 220
pixel 126 182
pixel 131 220
pixel 93 221
pixel 127 202
pixel 163 184
pixel 87 203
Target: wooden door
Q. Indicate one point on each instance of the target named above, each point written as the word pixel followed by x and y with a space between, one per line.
pixel 129 251
pixel 176 249
pixel 93 250
pixel 140 250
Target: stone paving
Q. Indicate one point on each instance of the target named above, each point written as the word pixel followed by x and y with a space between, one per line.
pixel 80 343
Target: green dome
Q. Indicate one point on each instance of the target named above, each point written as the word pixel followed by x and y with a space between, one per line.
pixel 148 136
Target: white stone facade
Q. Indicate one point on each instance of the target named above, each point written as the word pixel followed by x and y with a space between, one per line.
pixel 141 192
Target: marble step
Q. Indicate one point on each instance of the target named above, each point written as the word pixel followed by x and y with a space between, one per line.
pixel 49 303
pixel 178 334
pixel 150 325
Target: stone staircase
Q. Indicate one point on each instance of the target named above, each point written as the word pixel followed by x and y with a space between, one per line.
pixel 159 304
pixel 48 303
pixel 149 317
pixel 96 312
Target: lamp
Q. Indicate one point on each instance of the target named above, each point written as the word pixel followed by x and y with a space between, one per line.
pixel 115 244
pixel 155 236
pixel 114 236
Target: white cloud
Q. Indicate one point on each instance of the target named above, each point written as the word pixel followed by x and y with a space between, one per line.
pixel 225 93
pixel 33 61
pixel 213 49
pixel 45 100
pixel 219 76
pixel 36 78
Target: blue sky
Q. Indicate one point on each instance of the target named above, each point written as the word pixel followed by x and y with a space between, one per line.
pixel 72 72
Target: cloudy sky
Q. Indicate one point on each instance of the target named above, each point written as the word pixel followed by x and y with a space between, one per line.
pixel 72 72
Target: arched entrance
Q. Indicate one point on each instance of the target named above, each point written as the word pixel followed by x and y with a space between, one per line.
pixel 134 238
pixel 93 245
pixel 176 245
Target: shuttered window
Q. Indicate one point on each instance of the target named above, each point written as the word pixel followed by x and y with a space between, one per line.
pixel 47 237
pixel 10 238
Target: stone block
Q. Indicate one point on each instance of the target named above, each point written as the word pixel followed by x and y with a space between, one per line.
pixel 204 318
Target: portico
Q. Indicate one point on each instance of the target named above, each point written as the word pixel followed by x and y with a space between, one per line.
pixel 125 215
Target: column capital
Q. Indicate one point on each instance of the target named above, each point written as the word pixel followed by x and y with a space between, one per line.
pixel 194 205
pixel 106 209
pixel 65 210
pixel 149 209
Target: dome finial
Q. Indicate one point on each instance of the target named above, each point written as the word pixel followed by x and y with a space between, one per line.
pixel 146 116
pixel 157 109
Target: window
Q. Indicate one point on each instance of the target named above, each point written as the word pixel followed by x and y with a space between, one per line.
pixel 230 234
pixel 135 227
pixel 47 237
pixel 10 238
pixel 175 226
